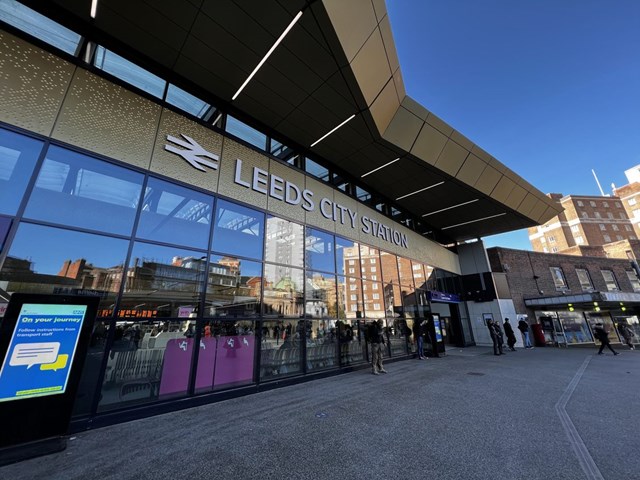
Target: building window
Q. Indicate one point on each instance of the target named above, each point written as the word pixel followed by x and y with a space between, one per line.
pixel 632 237
pixel 584 214
pixel 619 237
pixel 636 212
pixel 592 203
pixel 623 216
pixel 545 249
pixel 584 279
pixel 580 203
pixel 129 72
pixel 614 227
pixel 375 286
pixel 575 228
pixel 617 204
pixel 558 278
pixel 376 306
pixel 605 204
pixel 376 296
pixel 238 230
pixel 188 103
pixel 543 240
pixel 552 239
pixel 610 215
pixel 632 201
pixel 316 170
pixel 554 249
pixel 245 132
pixel 606 238
pixel 353 287
pixel 633 279
pixel 627 228
pixel 597 214
pixel 602 226
pixel 373 269
pixel 354 297
pixel 352 270
pixel 579 240
pixel 610 280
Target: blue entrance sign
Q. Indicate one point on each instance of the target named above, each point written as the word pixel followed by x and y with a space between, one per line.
pixel 41 351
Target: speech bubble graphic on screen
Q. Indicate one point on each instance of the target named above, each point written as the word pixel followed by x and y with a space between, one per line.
pixel 31 354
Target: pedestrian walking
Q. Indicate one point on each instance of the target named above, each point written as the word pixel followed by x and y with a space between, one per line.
pixel 601 334
pixel 523 326
pixel 627 334
pixel 418 335
pixel 511 337
pixel 377 341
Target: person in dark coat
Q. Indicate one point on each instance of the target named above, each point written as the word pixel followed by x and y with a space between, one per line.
pixel 497 346
pixel 496 326
pixel 523 326
pixel 511 337
pixel 601 334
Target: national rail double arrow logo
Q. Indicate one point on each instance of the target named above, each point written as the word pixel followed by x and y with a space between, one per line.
pixel 192 152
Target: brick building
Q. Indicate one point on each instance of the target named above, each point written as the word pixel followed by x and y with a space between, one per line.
pixel 585 221
pixel 630 197
pixel 565 294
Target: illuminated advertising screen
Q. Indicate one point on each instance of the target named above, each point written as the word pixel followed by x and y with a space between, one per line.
pixel 41 351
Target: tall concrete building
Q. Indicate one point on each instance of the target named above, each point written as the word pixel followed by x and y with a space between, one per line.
pixel 585 221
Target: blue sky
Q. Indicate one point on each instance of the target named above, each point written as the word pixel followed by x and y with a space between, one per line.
pixel 551 88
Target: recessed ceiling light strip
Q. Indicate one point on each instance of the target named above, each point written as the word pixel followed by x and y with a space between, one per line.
pixel 376 169
pixel 264 59
pixel 449 208
pixel 418 191
pixel 94 8
pixel 473 221
pixel 336 128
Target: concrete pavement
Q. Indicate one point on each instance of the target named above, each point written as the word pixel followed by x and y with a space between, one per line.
pixel 531 414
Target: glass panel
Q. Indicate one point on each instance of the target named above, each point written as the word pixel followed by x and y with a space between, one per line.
pixel 39 26
pixel 373 299
pixel 282 151
pixel 347 256
pixel 163 282
pixel 147 361
pixel 280 351
pixel 18 156
pixel 389 268
pixel 418 274
pixel 350 298
pixel 319 251
pixel 362 194
pixel 352 342
pixel 238 230
pixel 585 279
pixel 575 327
pixel 74 189
pixel 187 102
pixel 607 323
pixel 320 295
pixel 233 288
pixel 633 279
pixel 226 355
pixel 398 333
pixel 370 262
pixel 406 271
pixel 92 368
pixel 285 242
pixel 558 278
pixel 283 291
pixel 174 214
pixel 340 183
pixel 316 170
pixel 322 344
pixel 5 225
pixel 246 133
pixel 609 280
pixel 67 262
pixel 393 300
pixel 129 72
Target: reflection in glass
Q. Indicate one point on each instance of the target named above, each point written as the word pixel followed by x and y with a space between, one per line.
pixel 129 72
pixel 347 256
pixel 39 26
pixel 75 189
pixel 320 295
pixel 175 214
pixel 70 263
pixel 238 230
pixel 575 327
pixel 319 251
pixel 389 268
pixel 352 343
pixel 418 274
pixel 281 351
pixel 246 133
pixel 406 271
pixel 225 357
pixel 398 335
pixel 316 170
pixel 91 369
pixel 187 102
pixel 18 156
pixel 322 344
pixel 5 225
pixel 350 304
pixel 147 361
pixel 285 242
pixel 233 287
pixel 282 151
pixel 283 290
pixel 373 299
pixel 370 262
pixel 163 282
